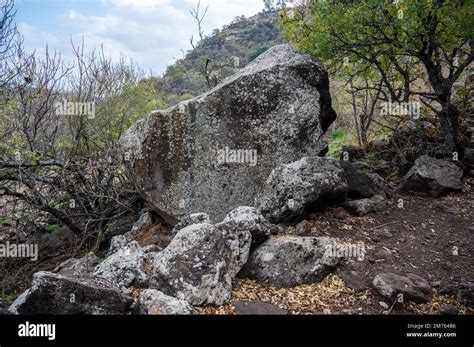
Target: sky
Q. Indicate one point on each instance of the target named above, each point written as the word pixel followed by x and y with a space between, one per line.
pixel 150 32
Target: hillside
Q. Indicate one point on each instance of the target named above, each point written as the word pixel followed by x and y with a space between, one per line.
pixel 226 51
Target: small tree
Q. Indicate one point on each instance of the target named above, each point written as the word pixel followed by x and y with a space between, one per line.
pixel 400 41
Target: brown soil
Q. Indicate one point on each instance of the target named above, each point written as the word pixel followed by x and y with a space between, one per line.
pixel 430 237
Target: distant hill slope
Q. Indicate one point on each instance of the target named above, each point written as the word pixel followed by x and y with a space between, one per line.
pixel 225 51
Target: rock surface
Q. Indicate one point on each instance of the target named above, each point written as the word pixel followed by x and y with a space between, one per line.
pixel 287 261
pixel 154 302
pixel 363 207
pixel 294 189
pixel 213 153
pixel 413 287
pixel 127 267
pixel 250 219
pixel 200 263
pixel 433 176
pixel 196 218
pixel 78 268
pixel 54 294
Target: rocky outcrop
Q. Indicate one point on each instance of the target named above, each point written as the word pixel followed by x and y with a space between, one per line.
pixel 290 261
pixel 432 176
pixel 154 302
pixel 213 153
pixel 54 294
pixel 200 263
pixel 412 287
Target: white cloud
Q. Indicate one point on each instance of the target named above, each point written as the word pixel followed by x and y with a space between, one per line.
pixel 151 32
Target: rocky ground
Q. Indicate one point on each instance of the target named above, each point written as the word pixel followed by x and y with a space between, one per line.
pixel 431 237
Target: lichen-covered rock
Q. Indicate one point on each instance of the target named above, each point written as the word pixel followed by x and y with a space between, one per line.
pixel 433 176
pixel 127 267
pixel 412 287
pixel 195 218
pixel 250 219
pixel 200 263
pixel 78 268
pixel 292 190
pixel 363 207
pixel 213 153
pixel 288 261
pixel 54 294
pixel 154 302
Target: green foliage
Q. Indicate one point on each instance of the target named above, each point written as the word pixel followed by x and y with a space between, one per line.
pixel 336 141
pixel 377 28
pixel 51 228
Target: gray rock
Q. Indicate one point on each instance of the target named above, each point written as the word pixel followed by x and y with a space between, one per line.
pixel 118 242
pixel 383 253
pixel 154 302
pixel 448 310
pixel 78 268
pixel 303 228
pixel 143 223
pixel 127 267
pixel 200 263
pixel 183 160
pixel 362 185
pixel 433 176
pixel 413 287
pixel 293 189
pixel 363 207
pixel 196 218
pixel 287 261
pixel 250 219
pixel 54 294
pixel 257 307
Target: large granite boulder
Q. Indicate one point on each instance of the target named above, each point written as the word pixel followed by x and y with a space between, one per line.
pixel 213 153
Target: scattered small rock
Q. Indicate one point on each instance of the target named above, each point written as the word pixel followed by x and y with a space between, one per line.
pixel 413 287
